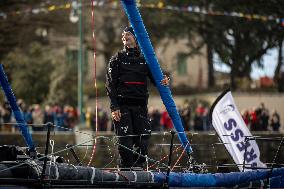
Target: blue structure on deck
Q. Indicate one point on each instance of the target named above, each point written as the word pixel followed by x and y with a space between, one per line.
pixel 222 179
pixel 152 61
pixel 16 110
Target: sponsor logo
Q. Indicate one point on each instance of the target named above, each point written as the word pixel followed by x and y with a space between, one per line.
pixel 227 108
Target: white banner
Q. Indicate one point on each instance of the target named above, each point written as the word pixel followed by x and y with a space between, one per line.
pixel 233 131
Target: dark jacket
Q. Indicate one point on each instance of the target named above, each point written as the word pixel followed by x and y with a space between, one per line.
pixel 126 79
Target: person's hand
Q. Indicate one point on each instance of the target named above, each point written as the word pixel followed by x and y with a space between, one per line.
pixel 116 115
pixel 165 81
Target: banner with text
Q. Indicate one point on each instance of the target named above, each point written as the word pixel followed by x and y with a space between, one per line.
pixel 233 131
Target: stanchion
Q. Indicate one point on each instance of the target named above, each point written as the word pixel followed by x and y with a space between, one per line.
pixel 170 156
pixel 74 154
pixel 46 151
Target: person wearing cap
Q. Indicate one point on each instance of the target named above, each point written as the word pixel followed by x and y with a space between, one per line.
pixel 126 85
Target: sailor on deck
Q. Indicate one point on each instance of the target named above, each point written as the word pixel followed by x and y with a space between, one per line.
pixel 126 85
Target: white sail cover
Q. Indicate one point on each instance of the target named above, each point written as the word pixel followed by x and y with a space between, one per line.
pixel 233 131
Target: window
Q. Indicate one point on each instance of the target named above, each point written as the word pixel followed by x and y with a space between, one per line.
pixel 182 64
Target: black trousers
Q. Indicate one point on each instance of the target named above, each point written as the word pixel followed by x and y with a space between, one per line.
pixel 133 132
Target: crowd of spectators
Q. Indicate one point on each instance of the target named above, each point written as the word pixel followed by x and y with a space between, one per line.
pixel 196 120
pixel 36 116
pixel 66 117
pixel 63 118
pixel 259 119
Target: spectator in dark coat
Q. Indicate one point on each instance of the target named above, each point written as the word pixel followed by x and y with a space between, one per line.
pixel 275 121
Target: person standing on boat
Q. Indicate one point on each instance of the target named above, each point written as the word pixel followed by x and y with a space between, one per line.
pixel 126 86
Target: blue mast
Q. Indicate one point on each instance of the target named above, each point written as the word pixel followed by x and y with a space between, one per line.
pixel 16 110
pixel 145 44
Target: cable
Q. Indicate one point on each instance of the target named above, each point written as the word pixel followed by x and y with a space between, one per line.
pixel 179 157
pixel 95 80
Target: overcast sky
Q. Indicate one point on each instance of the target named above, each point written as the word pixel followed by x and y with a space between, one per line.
pixel 270 61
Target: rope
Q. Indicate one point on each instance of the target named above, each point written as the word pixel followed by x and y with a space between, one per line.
pixel 87 148
pixel 164 158
pixel 95 80
pixel 115 142
pixel 179 157
pixel 152 160
pixel 214 154
pixel 60 151
pixel 104 137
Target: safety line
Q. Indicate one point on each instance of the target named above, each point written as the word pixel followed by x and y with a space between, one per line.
pixel 95 80
pixel 156 162
pixel 179 157
pixel 165 157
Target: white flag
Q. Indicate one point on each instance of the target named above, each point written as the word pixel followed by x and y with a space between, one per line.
pixel 232 130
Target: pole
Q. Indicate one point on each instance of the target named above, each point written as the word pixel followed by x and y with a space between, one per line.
pixel 144 41
pixel 170 157
pixel 80 64
pixel 46 151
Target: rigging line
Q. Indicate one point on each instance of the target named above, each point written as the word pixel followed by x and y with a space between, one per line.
pixel 155 133
pixel 97 137
pixel 133 151
pixel 180 156
pixel 97 132
pixel 116 142
pixel 87 145
pixel 139 153
pixel 220 165
pixel 94 135
pixel 57 152
pixel 152 133
pixel 66 149
pixel 200 144
pixel 128 149
pixel 87 148
pixel 214 154
pixel 194 144
pixel 82 19
pixel 67 129
pixel 112 160
pixel 113 157
pixel 77 145
pixel 95 80
pixel 163 144
pixel 276 155
pixel 217 165
pixel 164 157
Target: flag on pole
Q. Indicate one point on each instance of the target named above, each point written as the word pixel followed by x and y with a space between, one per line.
pixel 232 130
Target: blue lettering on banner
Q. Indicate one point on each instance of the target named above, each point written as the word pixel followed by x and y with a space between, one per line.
pixel 250 155
pixel 242 146
pixel 231 123
pixel 237 135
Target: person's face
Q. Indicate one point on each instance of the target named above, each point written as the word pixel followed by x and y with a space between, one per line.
pixel 128 40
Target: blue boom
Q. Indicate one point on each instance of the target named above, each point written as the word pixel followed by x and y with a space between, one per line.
pixel 152 61
pixel 16 110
